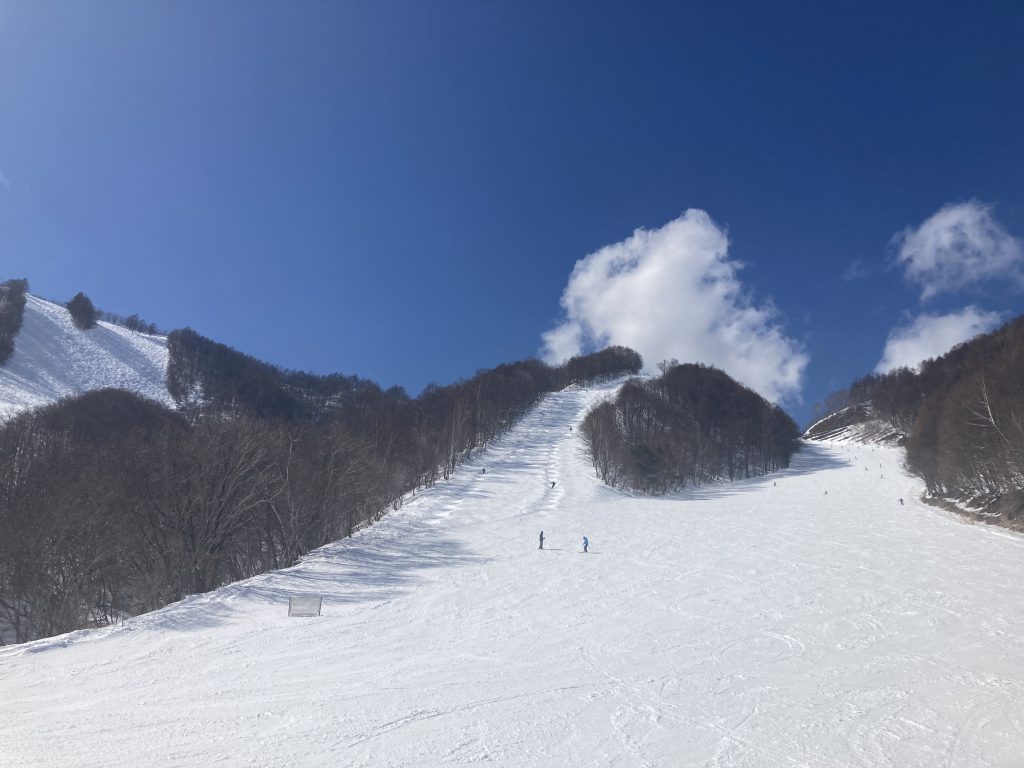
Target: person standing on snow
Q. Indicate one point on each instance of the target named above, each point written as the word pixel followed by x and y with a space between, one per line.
pixel 586 543
pixel 541 540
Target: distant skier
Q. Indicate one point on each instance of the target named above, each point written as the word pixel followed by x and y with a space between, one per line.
pixel 901 502
pixel 773 483
pixel 483 470
pixel 826 493
pixel 541 540
pixel 552 483
pixel 586 543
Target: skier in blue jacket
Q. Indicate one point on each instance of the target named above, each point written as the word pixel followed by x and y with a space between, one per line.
pixel 586 543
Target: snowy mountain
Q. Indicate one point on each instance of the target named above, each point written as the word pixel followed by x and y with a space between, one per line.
pixel 54 359
pixel 859 423
pixel 802 619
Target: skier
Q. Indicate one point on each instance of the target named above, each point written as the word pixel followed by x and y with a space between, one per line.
pixel 552 483
pixel 901 502
pixel 541 540
pixel 773 484
pixel 826 493
pixel 586 543
pixel 483 470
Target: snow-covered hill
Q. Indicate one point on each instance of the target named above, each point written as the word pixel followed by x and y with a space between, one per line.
pixel 54 359
pixel 761 624
pixel 858 423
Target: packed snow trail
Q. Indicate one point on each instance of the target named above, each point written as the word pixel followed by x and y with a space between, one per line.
pixel 54 359
pixel 737 625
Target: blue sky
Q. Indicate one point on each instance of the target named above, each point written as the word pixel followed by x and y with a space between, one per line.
pixel 401 190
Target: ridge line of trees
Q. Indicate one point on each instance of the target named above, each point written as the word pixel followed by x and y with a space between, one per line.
pixel 692 425
pixel 963 418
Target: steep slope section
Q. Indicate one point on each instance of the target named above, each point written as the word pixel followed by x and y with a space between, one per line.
pixel 761 623
pixel 859 423
pixel 53 359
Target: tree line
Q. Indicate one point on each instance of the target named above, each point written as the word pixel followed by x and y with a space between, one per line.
pixel 963 417
pixel 83 314
pixel 112 505
pixel 692 425
pixel 132 322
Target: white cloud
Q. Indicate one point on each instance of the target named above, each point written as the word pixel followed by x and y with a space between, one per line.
pixel 929 336
pixel 959 247
pixel 673 292
pixel 857 270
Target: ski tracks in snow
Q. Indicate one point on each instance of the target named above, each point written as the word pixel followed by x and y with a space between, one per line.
pixel 744 625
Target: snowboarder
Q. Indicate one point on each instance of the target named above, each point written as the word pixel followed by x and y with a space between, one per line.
pixel 541 540
pixel 552 483
pixel 586 543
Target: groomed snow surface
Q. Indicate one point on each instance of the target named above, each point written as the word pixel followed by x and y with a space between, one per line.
pixel 739 625
pixel 53 359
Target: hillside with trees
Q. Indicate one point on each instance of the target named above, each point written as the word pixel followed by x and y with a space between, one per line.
pixel 692 425
pixel 962 417
pixel 113 505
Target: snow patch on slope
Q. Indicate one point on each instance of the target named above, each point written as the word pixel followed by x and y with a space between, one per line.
pixel 855 424
pixel 54 359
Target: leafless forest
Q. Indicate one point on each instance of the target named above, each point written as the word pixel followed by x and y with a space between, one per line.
pixel 692 425
pixel 112 505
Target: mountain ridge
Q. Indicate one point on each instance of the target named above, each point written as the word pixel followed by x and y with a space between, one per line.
pixel 53 359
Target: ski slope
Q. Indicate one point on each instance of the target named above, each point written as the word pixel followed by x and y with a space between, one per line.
pixel 54 359
pixel 858 423
pixel 749 624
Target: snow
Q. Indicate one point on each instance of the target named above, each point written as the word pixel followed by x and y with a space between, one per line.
pixel 748 624
pixel 859 423
pixel 54 359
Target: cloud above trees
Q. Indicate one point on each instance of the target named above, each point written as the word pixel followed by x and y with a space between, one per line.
pixel 960 247
pixel 928 336
pixel 673 292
